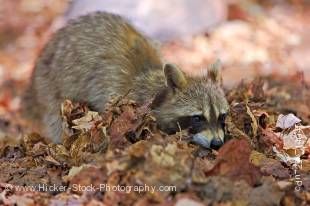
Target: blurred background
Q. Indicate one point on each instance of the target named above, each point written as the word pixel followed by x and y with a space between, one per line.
pixel 250 37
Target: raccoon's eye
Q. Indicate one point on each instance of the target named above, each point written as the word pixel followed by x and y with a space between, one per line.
pixel 197 119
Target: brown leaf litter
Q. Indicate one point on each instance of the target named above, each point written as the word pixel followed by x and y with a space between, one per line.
pixel 120 157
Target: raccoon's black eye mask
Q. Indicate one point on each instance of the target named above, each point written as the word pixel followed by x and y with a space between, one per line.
pixel 195 123
pixel 198 123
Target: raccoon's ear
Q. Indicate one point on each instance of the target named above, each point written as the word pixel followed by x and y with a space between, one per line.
pixel 214 72
pixel 174 77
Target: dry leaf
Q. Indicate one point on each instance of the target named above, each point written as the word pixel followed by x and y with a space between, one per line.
pixel 233 161
pixel 86 122
pixel 287 121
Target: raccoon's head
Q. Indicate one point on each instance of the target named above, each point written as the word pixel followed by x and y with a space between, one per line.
pixel 196 104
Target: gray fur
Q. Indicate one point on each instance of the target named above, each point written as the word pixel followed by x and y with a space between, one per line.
pixel 101 55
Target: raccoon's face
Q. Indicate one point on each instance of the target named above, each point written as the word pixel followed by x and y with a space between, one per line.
pixel 196 104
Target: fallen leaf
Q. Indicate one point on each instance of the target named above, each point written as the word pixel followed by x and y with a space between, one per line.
pixel 75 170
pixel 287 121
pixel 269 138
pixel 266 194
pixel 86 122
pixel 233 161
pixel 187 202
pixel 87 176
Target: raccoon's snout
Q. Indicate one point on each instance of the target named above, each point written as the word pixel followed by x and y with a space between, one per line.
pixel 201 140
pixel 206 140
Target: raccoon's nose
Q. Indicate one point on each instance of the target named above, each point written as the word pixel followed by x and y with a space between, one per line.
pixel 216 143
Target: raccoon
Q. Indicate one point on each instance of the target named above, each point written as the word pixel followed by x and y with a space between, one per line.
pixel 100 55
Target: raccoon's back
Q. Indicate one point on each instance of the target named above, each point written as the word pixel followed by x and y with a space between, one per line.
pixel 92 57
